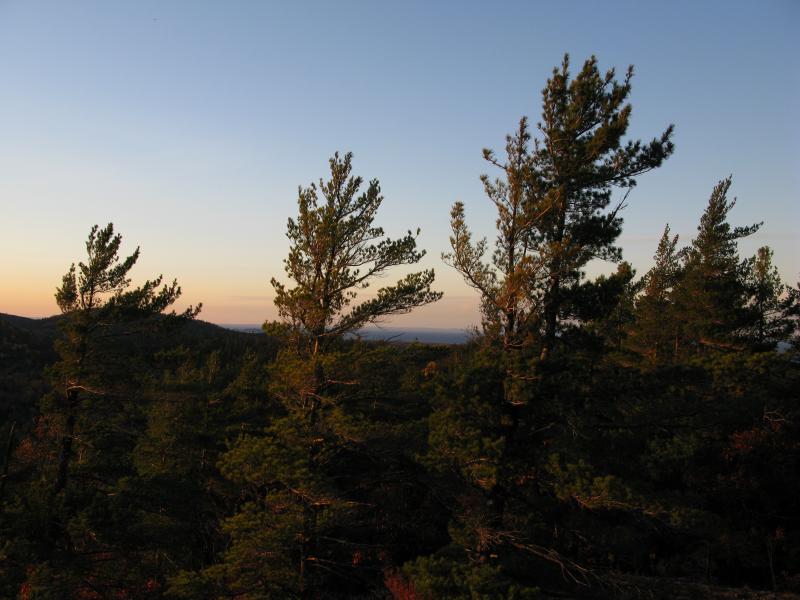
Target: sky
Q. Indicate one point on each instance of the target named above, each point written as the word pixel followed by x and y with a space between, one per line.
pixel 190 126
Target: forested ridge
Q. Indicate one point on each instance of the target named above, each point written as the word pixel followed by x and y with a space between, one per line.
pixel 623 436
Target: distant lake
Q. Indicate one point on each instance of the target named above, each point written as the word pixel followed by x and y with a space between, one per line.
pixel 426 335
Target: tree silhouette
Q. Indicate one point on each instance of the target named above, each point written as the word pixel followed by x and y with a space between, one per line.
pixel 576 165
pixel 94 298
pixel 336 251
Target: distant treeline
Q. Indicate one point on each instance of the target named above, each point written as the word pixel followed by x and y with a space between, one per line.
pixel 618 437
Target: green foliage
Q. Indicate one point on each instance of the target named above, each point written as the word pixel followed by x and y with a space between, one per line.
pixel 301 528
pixel 712 295
pixel 495 414
pixel 507 285
pixel 97 302
pixel 580 160
pixel 656 328
pixel 336 251
pixel 551 220
pixel 465 427
pixel 768 300
pixel 446 578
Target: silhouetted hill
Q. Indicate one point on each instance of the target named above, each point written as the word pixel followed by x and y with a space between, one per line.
pixel 26 349
pixel 46 327
pixel 44 331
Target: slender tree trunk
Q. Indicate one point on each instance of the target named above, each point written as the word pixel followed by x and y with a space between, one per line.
pixel 65 453
pixel 550 317
pixel 552 297
pixel 9 447
pixel 771 557
pixel 305 592
pixel 309 542
pixel 308 552
pixel 497 509
pixel 508 329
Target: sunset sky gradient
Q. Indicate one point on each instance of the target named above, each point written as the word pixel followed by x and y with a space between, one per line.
pixel 191 124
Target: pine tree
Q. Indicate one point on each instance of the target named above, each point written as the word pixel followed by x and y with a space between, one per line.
pixel 75 506
pixel 712 295
pixel 94 299
pixel 790 311
pixel 602 311
pixel 336 252
pixel 579 161
pixel 768 324
pixel 654 331
pixel 551 202
pixel 507 285
pixel 495 414
pixel 297 533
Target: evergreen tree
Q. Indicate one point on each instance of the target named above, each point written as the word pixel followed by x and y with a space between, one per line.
pixel 768 322
pixel 298 532
pixel 508 284
pixel 75 508
pixel 578 162
pixel 551 220
pixel 95 298
pixel 336 252
pixel 601 312
pixel 712 295
pixel 654 332
pixel 790 310
pixel 494 413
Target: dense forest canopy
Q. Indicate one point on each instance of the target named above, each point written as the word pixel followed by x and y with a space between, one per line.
pixel 630 435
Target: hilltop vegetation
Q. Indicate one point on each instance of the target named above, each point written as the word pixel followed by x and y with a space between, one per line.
pixel 624 436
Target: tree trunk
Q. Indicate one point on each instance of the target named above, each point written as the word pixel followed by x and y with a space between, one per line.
pixel 9 446
pixel 771 557
pixel 550 318
pixel 552 297
pixel 66 443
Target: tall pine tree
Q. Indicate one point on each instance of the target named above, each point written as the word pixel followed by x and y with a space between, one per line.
pixel 712 295
pixel 297 532
pixel 578 162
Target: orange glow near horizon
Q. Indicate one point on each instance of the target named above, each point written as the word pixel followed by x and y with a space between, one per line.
pixel 36 300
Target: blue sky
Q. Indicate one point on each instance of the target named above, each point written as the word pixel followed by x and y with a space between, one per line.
pixel 191 124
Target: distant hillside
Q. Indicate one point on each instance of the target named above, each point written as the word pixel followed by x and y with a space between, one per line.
pixel 39 327
pixel 425 335
pixel 26 349
pixel 45 330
